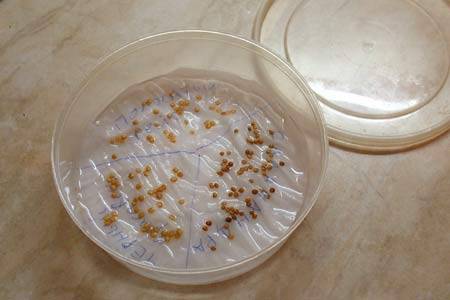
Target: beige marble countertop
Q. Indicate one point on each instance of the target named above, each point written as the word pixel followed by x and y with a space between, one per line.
pixel 380 229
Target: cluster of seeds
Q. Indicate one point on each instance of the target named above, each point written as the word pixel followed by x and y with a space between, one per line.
pixel 113 184
pixel 231 210
pixel 110 218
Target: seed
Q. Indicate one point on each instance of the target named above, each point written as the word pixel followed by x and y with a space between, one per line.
pixel 136 210
pixel 244 162
pixel 271 132
pixel 255 170
pixel 281 163
pixel 151 210
pixel 172 217
pixel 153 234
pixel 156 124
pixel 209 223
pixel 169 115
pixel 233 188
pixel 180 174
pixel 251 180
pixel 155 111
pixel 130 175
pixel 248 204
pixel 228 219
pixel 241 190
pixel 253 214
pixel 173 179
pixel 110 218
pixel 234 217
pixel 226 225
pixel 230 163
pixel 114 156
pixel 249 128
pixel 254 191
pixel 151 139
pixel 159 204
pixel 236 130
pixel 211 185
pixel 216 185
pixel 236 194
pixel 141 215
pixel 231 237
pixel 230 194
pixel 138 170
pixel 214 194
pixel 220 173
pixel 222 153
pixel 213 248
pixel 198 97
pixel 209 124
pixel 138 186
pixel 271 146
pixel 272 190
pixel 181 201
pixel 114 195
pixel 196 109
pixel 140 198
pixel 205 228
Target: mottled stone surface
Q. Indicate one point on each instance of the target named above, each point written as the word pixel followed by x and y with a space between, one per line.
pixel 380 229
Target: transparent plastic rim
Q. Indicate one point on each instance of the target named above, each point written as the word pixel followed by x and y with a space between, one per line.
pixel 299 81
pixel 345 139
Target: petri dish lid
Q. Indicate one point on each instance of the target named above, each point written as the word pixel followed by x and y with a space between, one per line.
pixel 380 68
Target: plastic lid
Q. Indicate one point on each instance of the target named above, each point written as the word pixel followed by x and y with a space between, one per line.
pixel 380 68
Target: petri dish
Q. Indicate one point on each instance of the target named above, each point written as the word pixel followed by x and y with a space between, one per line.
pixel 380 69
pixel 152 157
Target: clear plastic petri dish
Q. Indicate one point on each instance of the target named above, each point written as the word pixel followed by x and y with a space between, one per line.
pixel 380 68
pixel 153 157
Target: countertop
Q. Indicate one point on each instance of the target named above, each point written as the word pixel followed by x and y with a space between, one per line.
pixel 380 228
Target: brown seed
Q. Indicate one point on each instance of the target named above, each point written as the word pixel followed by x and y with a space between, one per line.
pixel 228 219
pixel 198 97
pixel 244 162
pixel 228 152
pixel 114 195
pixel 230 194
pixel 136 210
pixel 241 190
pixel 234 217
pixel 236 194
pixel 181 201
pixel 172 217
pixel 140 198
pixel 248 204
pixel 281 163
pixel 256 170
pixel 271 132
pixel 230 163
pixel 209 223
pixel 159 204
pixel 151 139
pixel 138 186
pixel 233 188
pixel 135 122
pixel 251 180
pixel 253 214
pixel 214 194
pixel 222 153
pixel 197 109
pixel 226 225
pixel 231 237
pixel 180 174
pixel 205 228
pixel 151 210
pixel 173 179
pixel 155 111
pixel 272 190
pixel 114 156
pixel 220 173
pixel 141 215
pixel 213 248
pixel 216 185
pixel 130 175
pixel 156 124
pixel 249 128
pixel 254 191
pixel 211 185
